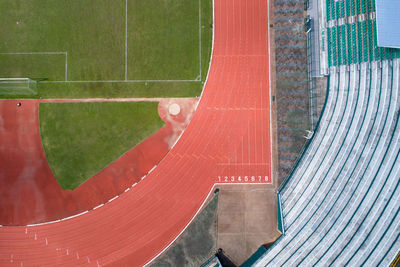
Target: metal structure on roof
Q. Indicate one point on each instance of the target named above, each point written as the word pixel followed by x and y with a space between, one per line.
pixel 388 23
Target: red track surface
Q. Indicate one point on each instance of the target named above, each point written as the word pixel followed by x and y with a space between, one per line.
pixel 30 193
pixel 229 135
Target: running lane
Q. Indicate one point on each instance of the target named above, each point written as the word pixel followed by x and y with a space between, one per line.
pixel 228 140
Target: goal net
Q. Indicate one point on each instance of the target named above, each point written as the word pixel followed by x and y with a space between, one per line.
pixel 17 86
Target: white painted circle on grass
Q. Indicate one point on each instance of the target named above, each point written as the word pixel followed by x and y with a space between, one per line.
pixel 174 109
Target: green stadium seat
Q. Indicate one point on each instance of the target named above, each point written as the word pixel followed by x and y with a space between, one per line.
pixel 392 54
pixel 388 53
pixel 359 42
pixel 358 9
pixel 338 46
pixel 364 40
pixel 354 42
pixel 349 44
pixel 363 6
pixel 352 7
pixel 343 41
pixel 337 10
pixel 328 10
pixel 328 38
pixel 348 8
pixel 342 11
pixel 334 47
pixel 383 53
pixel 374 40
pixel 370 40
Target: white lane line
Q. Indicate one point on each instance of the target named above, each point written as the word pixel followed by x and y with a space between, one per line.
pixel 152 169
pixel 113 198
pixel 126 40
pixel 73 216
pixel 101 205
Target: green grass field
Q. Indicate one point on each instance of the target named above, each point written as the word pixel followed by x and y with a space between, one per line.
pixel 102 48
pixel 107 48
pixel 80 139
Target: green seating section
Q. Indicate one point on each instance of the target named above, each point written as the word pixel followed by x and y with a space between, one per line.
pixel 328 38
pixel 358 4
pixel 337 10
pixel 363 6
pixel 364 40
pixel 356 42
pixel 349 44
pixel 334 49
pixel 328 10
pixel 359 38
pixel 343 42
pixel 342 11
pixel 352 7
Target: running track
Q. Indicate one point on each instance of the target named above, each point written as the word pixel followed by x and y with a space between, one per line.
pixel 229 135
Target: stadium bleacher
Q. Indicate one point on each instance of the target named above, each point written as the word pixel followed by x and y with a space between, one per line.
pixel 361 11
pixel 341 204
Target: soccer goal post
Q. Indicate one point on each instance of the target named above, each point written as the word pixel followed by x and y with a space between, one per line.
pixel 17 87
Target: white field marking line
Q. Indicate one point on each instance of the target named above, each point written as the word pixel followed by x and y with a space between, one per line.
pixel 126 40
pixel 14 79
pixel 33 53
pixel 121 81
pixel 200 36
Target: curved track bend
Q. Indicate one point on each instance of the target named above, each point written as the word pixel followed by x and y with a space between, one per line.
pixel 229 135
